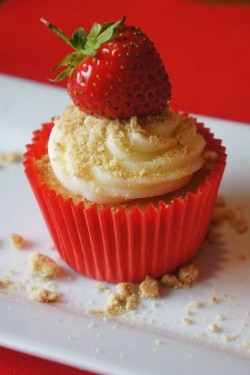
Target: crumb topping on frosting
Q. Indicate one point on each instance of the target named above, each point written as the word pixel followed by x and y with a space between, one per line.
pixel 109 161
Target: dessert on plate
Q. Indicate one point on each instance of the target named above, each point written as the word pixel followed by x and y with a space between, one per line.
pixel 125 184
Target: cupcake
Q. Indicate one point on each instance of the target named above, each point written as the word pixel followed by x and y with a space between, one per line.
pixel 125 184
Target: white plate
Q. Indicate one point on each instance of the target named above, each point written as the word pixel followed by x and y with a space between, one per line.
pixel 153 340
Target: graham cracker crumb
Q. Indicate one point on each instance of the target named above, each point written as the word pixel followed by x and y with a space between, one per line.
pixel 128 291
pixel 194 304
pixel 2 157
pixel 13 157
pixel 131 302
pixel 16 240
pixel 213 328
pixel 115 304
pixel 118 303
pixel 10 157
pixel 126 298
pixel 97 312
pixel 187 276
pixel 228 338
pixel 43 295
pixel 5 282
pixel 221 214
pixel 170 281
pixel 149 288
pixel 246 345
pixel 100 288
pixel 187 321
pixel 213 299
pixel 43 266
pixel 210 158
pixel 2 284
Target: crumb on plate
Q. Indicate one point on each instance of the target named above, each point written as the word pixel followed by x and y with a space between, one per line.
pixel 5 282
pixel 213 299
pixel 195 304
pixel 187 321
pixel 228 338
pixel 213 327
pixel 10 157
pixel 16 240
pixel 43 266
pixel 114 305
pixel 185 278
pixel 149 288
pixel 246 345
pixel 100 288
pixel 221 213
pixel 128 292
pixel 13 157
pixel 43 295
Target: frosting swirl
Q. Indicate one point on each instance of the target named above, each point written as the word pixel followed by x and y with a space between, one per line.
pixel 111 161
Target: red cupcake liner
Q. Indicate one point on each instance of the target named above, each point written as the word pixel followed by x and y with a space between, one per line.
pixel 121 246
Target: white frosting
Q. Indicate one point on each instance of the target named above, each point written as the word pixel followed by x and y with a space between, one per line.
pixel 107 161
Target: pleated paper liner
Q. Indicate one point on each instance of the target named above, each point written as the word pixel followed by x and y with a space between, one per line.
pixel 126 246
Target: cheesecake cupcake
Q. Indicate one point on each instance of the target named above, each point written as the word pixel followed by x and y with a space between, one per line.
pixel 125 184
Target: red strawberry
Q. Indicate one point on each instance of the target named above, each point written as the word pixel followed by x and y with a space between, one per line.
pixel 115 71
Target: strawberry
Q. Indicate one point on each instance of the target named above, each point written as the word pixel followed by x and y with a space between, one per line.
pixel 114 72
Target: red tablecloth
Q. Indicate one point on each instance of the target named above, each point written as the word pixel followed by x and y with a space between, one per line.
pixel 204 45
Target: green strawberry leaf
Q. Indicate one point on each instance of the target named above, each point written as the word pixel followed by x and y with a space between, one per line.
pixel 88 52
pixel 64 62
pixel 70 60
pixel 92 43
pixel 106 25
pixel 100 34
pixel 79 38
pixel 95 30
pixel 106 35
pixel 109 31
pixel 62 75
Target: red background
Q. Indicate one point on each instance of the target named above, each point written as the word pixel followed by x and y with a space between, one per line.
pixel 205 46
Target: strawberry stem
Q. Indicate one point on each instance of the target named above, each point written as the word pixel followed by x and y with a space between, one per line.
pixel 57 31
